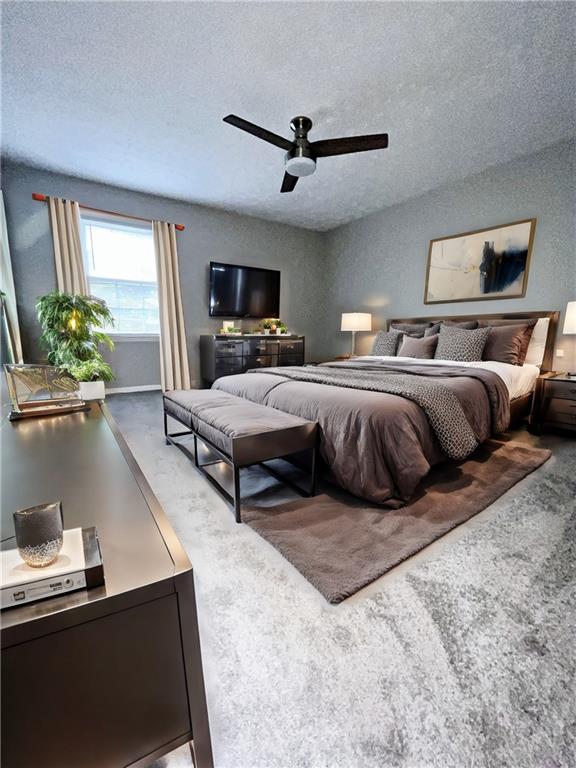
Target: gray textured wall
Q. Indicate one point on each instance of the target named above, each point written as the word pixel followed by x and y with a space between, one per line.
pixel 209 235
pixel 378 264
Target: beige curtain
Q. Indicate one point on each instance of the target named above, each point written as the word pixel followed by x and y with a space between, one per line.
pixel 65 220
pixel 173 353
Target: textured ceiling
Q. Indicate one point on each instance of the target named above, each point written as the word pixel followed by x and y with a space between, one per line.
pixel 133 94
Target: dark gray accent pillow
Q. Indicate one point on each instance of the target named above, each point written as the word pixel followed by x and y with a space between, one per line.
pixel 386 342
pixel 435 327
pixel 504 344
pixel 528 325
pixel 412 329
pixel 422 348
pixel 461 344
pixel 469 325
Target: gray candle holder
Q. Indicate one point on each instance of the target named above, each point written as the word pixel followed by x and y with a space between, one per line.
pixel 39 533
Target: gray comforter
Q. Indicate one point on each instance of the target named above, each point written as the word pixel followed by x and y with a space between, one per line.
pixel 375 434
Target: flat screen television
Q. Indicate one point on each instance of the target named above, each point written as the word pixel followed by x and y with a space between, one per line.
pixel 237 291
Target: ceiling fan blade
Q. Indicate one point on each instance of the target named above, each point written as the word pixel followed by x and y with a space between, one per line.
pixel 260 133
pixel 288 183
pixel 330 147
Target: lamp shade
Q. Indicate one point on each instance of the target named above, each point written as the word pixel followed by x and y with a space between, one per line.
pixel 356 321
pixel 569 319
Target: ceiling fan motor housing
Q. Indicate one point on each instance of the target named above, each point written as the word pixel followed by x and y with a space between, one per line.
pixel 300 160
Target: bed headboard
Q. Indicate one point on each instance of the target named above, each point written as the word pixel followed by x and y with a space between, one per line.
pixel 548 360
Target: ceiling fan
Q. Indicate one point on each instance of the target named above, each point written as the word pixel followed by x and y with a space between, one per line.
pixel 301 154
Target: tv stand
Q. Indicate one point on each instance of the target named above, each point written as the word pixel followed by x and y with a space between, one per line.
pixel 225 355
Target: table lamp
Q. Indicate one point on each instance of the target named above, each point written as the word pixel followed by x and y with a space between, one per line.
pixel 570 323
pixel 356 321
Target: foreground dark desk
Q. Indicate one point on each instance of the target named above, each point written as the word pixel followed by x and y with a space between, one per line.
pixel 112 676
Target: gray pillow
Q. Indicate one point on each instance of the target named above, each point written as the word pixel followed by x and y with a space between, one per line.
pixel 435 327
pixel 469 325
pixel 421 348
pixel 461 344
pixel 528 326
pixel 386 342
pixel 412 329
pixel 504 344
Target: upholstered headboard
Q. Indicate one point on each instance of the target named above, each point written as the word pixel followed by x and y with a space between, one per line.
pixel 548 359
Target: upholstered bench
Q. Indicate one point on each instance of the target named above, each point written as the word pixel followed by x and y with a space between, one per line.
pixel 241 433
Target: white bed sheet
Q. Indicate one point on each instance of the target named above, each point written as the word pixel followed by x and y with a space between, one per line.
pixel 519 379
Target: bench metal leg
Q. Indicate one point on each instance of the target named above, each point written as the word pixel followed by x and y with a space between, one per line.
pixel 310 488
pixel 313 471
pixel 166 428
pixel 237 499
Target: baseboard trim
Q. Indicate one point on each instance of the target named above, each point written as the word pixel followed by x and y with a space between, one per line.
pixel 125 390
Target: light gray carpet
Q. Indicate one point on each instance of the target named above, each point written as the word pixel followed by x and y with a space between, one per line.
pixel 461 656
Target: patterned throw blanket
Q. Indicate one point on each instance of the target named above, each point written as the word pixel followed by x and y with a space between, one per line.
pixel 439 403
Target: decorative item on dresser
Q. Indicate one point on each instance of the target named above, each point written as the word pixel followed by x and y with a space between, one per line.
pixel 38 533
pixel 223 356
pixel 554 403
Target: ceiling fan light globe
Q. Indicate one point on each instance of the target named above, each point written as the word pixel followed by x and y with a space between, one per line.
pixel 300 166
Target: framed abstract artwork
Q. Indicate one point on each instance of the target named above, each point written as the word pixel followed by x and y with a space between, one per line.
pixel 490 263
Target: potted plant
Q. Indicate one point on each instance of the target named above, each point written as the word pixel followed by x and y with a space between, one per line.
pixel 70 333
pixel 91 375
pixel 267 325
pixel 281 327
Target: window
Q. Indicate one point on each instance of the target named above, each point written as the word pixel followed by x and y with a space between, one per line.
pixel 121 269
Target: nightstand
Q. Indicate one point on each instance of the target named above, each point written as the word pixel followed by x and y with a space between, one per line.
pixel 554 403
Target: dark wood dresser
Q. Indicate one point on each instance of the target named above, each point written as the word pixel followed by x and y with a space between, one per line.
pixel 225 355
pixel 111 676
pixel 554 403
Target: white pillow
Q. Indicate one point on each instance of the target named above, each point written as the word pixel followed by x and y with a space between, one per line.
pixel 537 346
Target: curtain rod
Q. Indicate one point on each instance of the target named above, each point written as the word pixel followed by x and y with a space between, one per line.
pixel 44 199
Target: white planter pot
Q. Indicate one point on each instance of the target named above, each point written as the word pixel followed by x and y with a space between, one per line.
pixel 92 390
pixel 266 331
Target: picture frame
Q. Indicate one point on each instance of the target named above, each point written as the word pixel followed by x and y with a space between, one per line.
pixel 480 265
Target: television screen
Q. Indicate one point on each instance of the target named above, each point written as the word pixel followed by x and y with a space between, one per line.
pixel 237 291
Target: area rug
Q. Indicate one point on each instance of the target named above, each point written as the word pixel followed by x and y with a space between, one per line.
pixel 342 547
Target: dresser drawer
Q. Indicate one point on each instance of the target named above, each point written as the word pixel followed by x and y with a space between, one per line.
pixel 260 361
pixel 260 347
pixel 561 411
pixel 228 366
pixel 290 359
pixel 565 390
pixel 291 346
pixel 228 348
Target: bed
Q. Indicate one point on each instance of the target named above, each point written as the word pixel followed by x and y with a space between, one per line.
pixel 385 421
